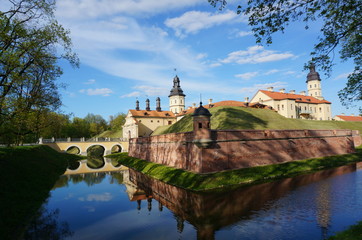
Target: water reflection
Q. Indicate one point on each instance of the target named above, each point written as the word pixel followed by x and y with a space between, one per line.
pixel 210 212
pixel 46 225
pixel 129 205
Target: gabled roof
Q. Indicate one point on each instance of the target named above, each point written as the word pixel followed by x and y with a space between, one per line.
pixel 296 97
pixel 153 113
pixel 350 118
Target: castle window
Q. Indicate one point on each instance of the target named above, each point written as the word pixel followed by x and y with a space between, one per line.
pixel 181 101
pixel 291 106
pixel 151 120
pixel 140 120
pixel 320 110
pixel 282 106
pixel 200 125
pixel 292 116
pixel 169 122
pixel 158 121
pixel 310 86
pixel 315 85
pixel 278 107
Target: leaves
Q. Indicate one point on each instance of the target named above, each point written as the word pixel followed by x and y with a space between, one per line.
pixel 341 32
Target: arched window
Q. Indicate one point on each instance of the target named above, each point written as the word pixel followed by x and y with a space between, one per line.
pixel 200 125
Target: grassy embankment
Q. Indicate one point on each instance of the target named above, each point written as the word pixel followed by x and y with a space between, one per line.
pixel 352 233
pixel 111 134
pixel 27 174
pixel 251 118
pixel 232 178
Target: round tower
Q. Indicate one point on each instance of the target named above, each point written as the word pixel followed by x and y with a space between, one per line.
pixel 177 97
pixel 202 127
pixel 314 83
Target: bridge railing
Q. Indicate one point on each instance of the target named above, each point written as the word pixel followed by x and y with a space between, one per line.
pixel 83 139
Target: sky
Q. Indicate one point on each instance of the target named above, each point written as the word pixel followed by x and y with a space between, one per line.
pixel 131 50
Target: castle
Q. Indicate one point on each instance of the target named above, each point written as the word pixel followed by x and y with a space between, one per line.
pixel 141 123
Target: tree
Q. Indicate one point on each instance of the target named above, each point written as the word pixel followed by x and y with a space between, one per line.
pixel 29 39
pixel 117 121
pixel 341 30
pixel 97 124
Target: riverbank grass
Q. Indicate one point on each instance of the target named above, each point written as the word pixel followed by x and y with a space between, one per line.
pixel 27 174
pixel 232 178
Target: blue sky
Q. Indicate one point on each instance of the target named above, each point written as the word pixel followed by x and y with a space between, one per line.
pixel 129 49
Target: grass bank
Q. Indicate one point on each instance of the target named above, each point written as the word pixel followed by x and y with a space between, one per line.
pixel 201 182
pixel 27 174
pixel 353 232
pixel 224 118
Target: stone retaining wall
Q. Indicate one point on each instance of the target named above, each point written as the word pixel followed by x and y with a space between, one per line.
pixel 233 149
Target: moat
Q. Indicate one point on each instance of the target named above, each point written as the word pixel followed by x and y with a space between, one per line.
pixel 128 205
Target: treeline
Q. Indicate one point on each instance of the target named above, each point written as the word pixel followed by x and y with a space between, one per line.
pixel 48 125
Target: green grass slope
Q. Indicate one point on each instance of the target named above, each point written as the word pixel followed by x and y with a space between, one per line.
pixel 224 118
pixel 111 134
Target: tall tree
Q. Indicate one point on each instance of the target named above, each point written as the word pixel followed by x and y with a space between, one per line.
pixel 30 39
pixel 341 30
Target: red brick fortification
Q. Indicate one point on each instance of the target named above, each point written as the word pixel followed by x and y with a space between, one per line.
pixel 235 149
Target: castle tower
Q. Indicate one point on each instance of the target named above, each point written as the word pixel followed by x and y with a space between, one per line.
pixel 148 105
pixel 202 127
pixel 177 97
pixel 137 105
pixel 314 83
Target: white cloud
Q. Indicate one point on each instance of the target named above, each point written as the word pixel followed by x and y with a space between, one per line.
pixel 90 81
pixel 244 33
pixel 215 65
pixel 247 75
pixel 271 71
pixel 289 73
pixel 132 94
pixel 105 197
pixel 255 54
pixel 256 87
pixel 97 91
pixel 83 9
pixel 342 76
pixel 201 55
pixel 193 21
pixel 153 91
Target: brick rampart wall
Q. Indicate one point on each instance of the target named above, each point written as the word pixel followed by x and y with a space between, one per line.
pixel 235 149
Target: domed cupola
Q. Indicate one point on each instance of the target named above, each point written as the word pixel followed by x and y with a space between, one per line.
pixel 201 111
pixel 176 90
pixel 313 75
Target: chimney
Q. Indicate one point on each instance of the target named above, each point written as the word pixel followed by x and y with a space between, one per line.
pixel 194 105
pixel 158 104
pixel 352 115
pixel 210 100
pixel 342 114
pixel 270 89
pixel 137 105
pixel 246 99
pixel 302 93
pixel 282 90
pixel 148 105
pixel 292 91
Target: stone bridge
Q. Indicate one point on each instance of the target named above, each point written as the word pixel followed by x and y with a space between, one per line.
pixel 82 144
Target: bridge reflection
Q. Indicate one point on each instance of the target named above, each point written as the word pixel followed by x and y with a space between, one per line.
pixel 84 167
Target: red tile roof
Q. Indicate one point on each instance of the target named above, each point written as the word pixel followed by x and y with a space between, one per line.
pixel 296 97
pixel 153 113
pixel 350 118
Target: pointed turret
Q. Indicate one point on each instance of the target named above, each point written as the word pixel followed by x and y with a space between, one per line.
pixel 177 97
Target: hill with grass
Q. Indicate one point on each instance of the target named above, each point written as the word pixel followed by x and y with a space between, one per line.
pixel 224 118
pixel 111 134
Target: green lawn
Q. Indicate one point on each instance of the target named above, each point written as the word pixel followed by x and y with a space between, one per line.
pixel 251 118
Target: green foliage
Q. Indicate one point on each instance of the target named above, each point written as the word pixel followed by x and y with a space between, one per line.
pixel 27 176
pixel 352 233
pixel 201 182
pixel 29 39
pixel 117 121
pixel 341 29
pixel 224 118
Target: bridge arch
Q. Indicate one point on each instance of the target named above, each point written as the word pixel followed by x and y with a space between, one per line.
pixel 96 144
pixel 118 146
pixel 79 150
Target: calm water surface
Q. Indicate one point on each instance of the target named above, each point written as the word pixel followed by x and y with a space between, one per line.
pixel 128 205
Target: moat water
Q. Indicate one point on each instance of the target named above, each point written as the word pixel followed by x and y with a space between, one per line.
pixel 128 205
